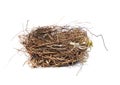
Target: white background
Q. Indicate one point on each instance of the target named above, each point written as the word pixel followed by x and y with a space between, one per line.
pixel 99 16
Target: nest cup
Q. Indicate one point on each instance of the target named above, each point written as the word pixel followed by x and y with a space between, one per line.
pixel 56 46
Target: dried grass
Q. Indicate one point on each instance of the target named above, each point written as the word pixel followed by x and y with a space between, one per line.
pixel 56 46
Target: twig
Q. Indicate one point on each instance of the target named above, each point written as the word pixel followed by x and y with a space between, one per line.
pixel 79 69
pixel 100 35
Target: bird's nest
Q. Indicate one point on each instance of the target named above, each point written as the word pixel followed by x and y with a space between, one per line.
pixel 56 46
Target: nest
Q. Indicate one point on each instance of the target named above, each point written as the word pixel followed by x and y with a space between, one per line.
pixel 56 46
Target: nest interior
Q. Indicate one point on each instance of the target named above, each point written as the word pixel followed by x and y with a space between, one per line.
pixel 56 46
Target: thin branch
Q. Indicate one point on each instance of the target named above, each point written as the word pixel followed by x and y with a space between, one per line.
pixel 100 35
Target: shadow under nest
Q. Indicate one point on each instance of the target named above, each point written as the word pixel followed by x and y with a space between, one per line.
pixel 56 46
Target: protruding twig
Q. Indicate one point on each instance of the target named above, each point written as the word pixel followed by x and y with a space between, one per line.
pixel 100 35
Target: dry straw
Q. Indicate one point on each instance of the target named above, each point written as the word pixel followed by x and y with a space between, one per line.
pixel 56 46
